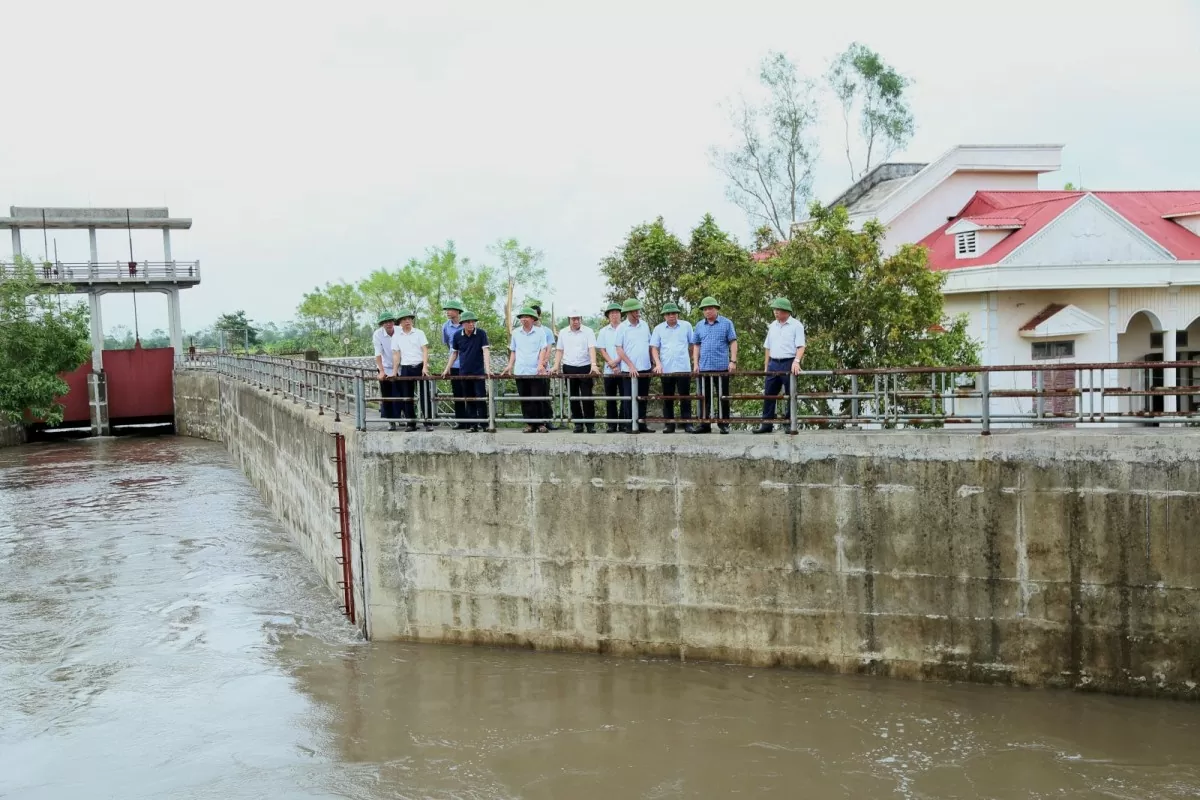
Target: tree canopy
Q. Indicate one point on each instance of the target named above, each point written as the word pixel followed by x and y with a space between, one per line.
pixel 38 341
pixel 871 92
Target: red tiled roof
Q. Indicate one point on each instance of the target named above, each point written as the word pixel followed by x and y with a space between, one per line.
pixel 1043 315
pixel 1185 210
pixel 1034 210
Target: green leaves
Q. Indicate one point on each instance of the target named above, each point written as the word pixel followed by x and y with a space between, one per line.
pixel 37 342
pixel 870 89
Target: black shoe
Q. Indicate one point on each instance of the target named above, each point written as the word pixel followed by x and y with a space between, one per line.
pixel 428 427
pixel 632 429
pixel 472 429
pixel 578 429
pixel 722 428
pixel 391 426
pixel 591 428
pixel 701 429
pixel 644 429
pixel 669 427
pixel 551 427
pixel 689 428
pixel 410 427
pixel 764 428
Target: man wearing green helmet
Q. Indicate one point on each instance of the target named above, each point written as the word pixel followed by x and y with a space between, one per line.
pixel 471 351
pixel 714 356
pixel 452 325
pixel 670 344
pixel 527 352
pixel 386 364
pixel 606 348
pixel 412 351
pixel 783 350
pixel 633 348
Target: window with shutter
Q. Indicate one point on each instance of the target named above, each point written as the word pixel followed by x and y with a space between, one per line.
pixel 965 244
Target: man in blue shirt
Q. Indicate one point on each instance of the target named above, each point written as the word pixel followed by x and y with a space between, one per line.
pixel 670 347
pixel 470 351
pixel 527 350
pixel 606 348
pixel 714 356
pixel 633 348
pixel 450 327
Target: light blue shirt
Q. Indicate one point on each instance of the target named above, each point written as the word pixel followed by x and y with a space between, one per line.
pixel 635 341
pixel 673 345
pixel 528 347
pixel 606 340
pixel 448 331
pixel 549 334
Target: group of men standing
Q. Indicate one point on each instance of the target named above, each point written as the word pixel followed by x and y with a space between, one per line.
pixel 631 352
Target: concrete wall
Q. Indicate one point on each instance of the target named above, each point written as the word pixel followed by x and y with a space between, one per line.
pixel 285 450
pixel 1054 558
pixel 11 435
pixel 1044 560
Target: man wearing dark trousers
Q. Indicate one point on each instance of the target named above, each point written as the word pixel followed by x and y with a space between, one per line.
pixel 783 350
pixel 606 348
pixel 714 355
pixel 386 364
pixel 450 327
pixel 576 359
pixel 527 353
pixel 470 350
pixel 633 348
pixel 411 350
pixel 669 347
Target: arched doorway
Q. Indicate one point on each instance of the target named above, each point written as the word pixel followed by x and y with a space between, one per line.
pixel 1141 340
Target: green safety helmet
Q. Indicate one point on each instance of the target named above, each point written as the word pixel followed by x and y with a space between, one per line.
pixel 709 302
pixel 452 304
pixel 387 316
pixel 468 316
pixel 670 308
pixel 613 307
pixel 405 312
pixel 632 304
pixel 782 303
pixel 526 311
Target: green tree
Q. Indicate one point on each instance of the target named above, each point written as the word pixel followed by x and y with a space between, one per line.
pixel 871 93
pixel 38 342
pixel 521 273
pixel 119 337
pixel 769 167
pixel 238 330
pixel 649 265
pixel 333 314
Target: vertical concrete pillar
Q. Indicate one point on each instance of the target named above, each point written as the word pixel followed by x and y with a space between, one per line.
pixel 174 322
pixel 16 241
pixel 98 403
pixel 97 332
pixel 1170 353
pixel 167 245
pixel 1111 376
pixel 92 257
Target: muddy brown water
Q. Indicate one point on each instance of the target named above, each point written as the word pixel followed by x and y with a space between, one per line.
pixel 160 637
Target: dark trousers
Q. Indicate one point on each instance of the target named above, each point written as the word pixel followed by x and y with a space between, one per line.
pixel 677 383
pixel 710 383
pixel 777 383
pixel 389 409
pixel 580 389
pixel 643 396
pixel 476 412
pixel 534 410
pixel 614 385
pixel 457 389
pixel 406 390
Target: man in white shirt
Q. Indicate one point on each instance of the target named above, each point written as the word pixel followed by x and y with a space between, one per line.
pixel 783 351
pixel 412 351
pixel 633 348
pixel 382 339
pixel 670 348
pixel 576 356
pixel 606 348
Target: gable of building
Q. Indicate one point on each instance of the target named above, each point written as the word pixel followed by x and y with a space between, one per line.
pixel 1088 232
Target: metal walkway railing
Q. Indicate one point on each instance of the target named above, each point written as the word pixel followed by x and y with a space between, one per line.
pixel 1051 394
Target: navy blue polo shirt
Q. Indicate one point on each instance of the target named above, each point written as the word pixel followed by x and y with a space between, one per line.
pixel 470 351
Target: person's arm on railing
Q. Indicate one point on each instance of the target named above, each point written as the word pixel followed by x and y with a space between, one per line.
pixel 446 371
pixel 733 356
pixel 558 357
pixel 592 356
pixel 425 359
pixel 799 357
pixel 695 348
pixel 512 358
pixel 543 356
pixel 487 360
pixel 657 368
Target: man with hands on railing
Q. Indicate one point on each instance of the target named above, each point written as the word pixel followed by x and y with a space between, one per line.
pixel 385 362
pixel 576 357
pixel 669 346
pixel 412 348
pixel 633 348
pixel 527 351
pixel 714 355
pixel 606 346
pixel 469 349
pixel 783 350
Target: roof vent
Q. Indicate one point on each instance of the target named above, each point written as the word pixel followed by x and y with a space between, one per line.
pixel 964 245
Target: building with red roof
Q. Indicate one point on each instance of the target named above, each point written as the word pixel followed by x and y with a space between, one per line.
pixel 1080 276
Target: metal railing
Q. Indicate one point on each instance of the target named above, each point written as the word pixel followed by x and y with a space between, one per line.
pixel 112 271
pixel 973 397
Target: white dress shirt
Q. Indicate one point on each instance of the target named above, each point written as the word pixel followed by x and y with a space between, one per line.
pixel 409 345
pixel 575 346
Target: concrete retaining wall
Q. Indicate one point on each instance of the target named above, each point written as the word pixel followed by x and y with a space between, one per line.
pixel 1058 558
pixel 287 454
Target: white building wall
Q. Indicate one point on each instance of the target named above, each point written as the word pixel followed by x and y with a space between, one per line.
pixel 947 199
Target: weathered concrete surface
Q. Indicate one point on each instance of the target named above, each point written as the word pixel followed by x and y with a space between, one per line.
pixel 1065 558
pixel 287 454
pixel 1046 560
pixel 11 435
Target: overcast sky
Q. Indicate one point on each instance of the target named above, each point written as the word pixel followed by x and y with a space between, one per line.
pixel 318 141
